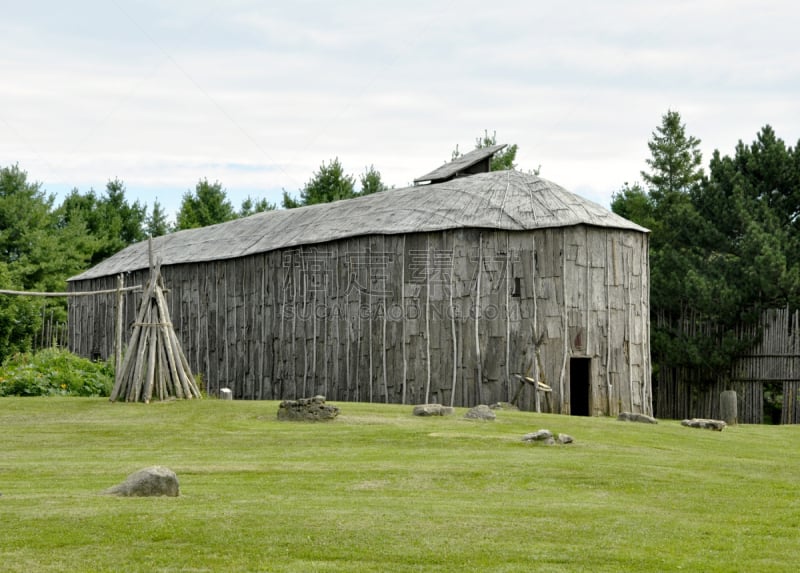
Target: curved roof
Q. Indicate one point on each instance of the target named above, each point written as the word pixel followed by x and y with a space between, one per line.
pixel 508 200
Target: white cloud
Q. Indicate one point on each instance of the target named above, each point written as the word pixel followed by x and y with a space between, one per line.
pixel 257 95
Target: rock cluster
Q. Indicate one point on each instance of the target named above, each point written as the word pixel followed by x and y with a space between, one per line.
pixel 633 417
pixel 149 482
pixel 307 410
pixel 432 410
pixel 546 437
pixel 717 425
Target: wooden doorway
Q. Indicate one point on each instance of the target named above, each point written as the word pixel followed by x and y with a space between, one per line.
pixel 579 383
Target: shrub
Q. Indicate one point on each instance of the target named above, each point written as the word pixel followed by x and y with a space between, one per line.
pixel 53 371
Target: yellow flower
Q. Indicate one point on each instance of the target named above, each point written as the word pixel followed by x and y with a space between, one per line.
pixel 63 386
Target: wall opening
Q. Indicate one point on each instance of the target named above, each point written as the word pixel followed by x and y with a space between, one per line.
pixel 772 403
pixel 579 383
pixel 517 292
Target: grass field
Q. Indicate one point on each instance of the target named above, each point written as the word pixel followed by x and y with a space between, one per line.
pixel 381 490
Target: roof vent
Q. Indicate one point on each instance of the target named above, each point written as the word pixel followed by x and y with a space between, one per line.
pixel 476 161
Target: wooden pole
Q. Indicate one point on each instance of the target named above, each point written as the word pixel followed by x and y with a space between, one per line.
pixel 137 329
pixel 453 328
pixel 404 318
pixel 173 365
pixel 565 328
pixel 383 349
pixel 428 318
pixel 728 407
pixel 535 329
pixel 609 332
pixel 118 329
pixel 479 372
pixel 147 391
pixel 508 316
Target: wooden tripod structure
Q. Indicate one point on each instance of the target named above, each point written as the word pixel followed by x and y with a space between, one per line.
pixel 154 363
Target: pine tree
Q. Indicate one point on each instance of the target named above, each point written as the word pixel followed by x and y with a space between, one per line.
pixel 675 160
pixel 157 224
pixel 371 181
pixel 329 183
pixel 252 206
pixel 208 205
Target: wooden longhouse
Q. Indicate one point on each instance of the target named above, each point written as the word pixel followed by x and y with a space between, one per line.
pixel 442 293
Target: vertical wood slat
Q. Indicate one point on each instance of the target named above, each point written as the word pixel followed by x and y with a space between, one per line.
pixel 564 331
pixel 478 308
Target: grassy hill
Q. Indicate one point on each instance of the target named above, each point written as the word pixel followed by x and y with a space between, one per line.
pixel 381 490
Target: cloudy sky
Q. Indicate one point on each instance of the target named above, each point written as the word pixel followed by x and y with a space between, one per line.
pixel 258 93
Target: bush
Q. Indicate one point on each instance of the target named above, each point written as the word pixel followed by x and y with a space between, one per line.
pixel 54 372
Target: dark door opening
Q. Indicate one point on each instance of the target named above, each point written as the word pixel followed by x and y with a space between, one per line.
pixel 773 403
pixel 579 378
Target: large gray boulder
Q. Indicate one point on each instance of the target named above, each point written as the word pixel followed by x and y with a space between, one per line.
pixel 481 412
pixel 307 410
pixel 149 482
pixel 432 410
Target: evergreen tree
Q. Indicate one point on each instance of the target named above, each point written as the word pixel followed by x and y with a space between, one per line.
pixel 124 221
pixel 371 181
pixel 208 205
pixel 111 221
pixel 683 284
pixel 722 247
pixel 157 224
pixel 675 160
pixel 19 316
pixel 329 183
pixel 252 206
pixel 504 159
pixel 37 253
pixel 751 201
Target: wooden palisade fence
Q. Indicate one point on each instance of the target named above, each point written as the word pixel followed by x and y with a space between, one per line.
pixel 773 361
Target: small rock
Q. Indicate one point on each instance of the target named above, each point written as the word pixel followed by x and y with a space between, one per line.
pixel 565 439
pixel 717 425
pixel 432 410
pixel 538 436
pixel 634 417
pixel 481 412
pixel 503 406
pixel 148 482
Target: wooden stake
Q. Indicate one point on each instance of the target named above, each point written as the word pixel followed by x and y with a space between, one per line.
pixel 453 328
pixel 118 330
pixel 403 324
pixel 147 392
pixel 428 319
pixel 479 381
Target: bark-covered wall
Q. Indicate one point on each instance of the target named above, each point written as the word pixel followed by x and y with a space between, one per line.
pixel 444 317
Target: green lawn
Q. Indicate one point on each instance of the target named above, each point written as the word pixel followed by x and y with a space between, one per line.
pixel 381 490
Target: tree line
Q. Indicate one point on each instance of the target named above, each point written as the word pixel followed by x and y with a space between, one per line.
pixel 723 244
pixel 724 240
